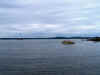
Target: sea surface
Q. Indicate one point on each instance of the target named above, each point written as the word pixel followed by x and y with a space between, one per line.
pixel 49 57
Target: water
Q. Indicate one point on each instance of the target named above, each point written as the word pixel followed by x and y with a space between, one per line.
pixel 49 57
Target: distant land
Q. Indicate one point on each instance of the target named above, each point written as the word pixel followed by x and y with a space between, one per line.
pixel 48 38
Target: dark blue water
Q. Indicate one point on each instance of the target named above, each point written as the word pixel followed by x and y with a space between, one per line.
pixel 49 57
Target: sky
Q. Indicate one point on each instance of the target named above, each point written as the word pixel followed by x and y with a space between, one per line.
pixel 48 18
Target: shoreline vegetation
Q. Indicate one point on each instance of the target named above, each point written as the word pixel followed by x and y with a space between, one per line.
pixel 96 39
pixel 88 38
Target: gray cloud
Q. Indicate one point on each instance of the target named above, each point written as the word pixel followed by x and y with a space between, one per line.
pixel 40 18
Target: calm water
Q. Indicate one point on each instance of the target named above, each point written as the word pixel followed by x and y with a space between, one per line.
pixel 49 57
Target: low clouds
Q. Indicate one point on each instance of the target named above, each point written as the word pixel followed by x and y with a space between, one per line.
pixel 42 18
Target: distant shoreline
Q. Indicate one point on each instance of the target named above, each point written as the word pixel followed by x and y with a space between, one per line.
pixel 47 38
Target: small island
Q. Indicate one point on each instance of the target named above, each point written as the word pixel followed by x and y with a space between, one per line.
pixel 67 42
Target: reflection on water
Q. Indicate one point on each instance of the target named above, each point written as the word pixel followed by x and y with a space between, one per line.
pixel 49 57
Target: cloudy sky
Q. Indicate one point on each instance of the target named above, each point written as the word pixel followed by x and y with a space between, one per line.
pixel 47 18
